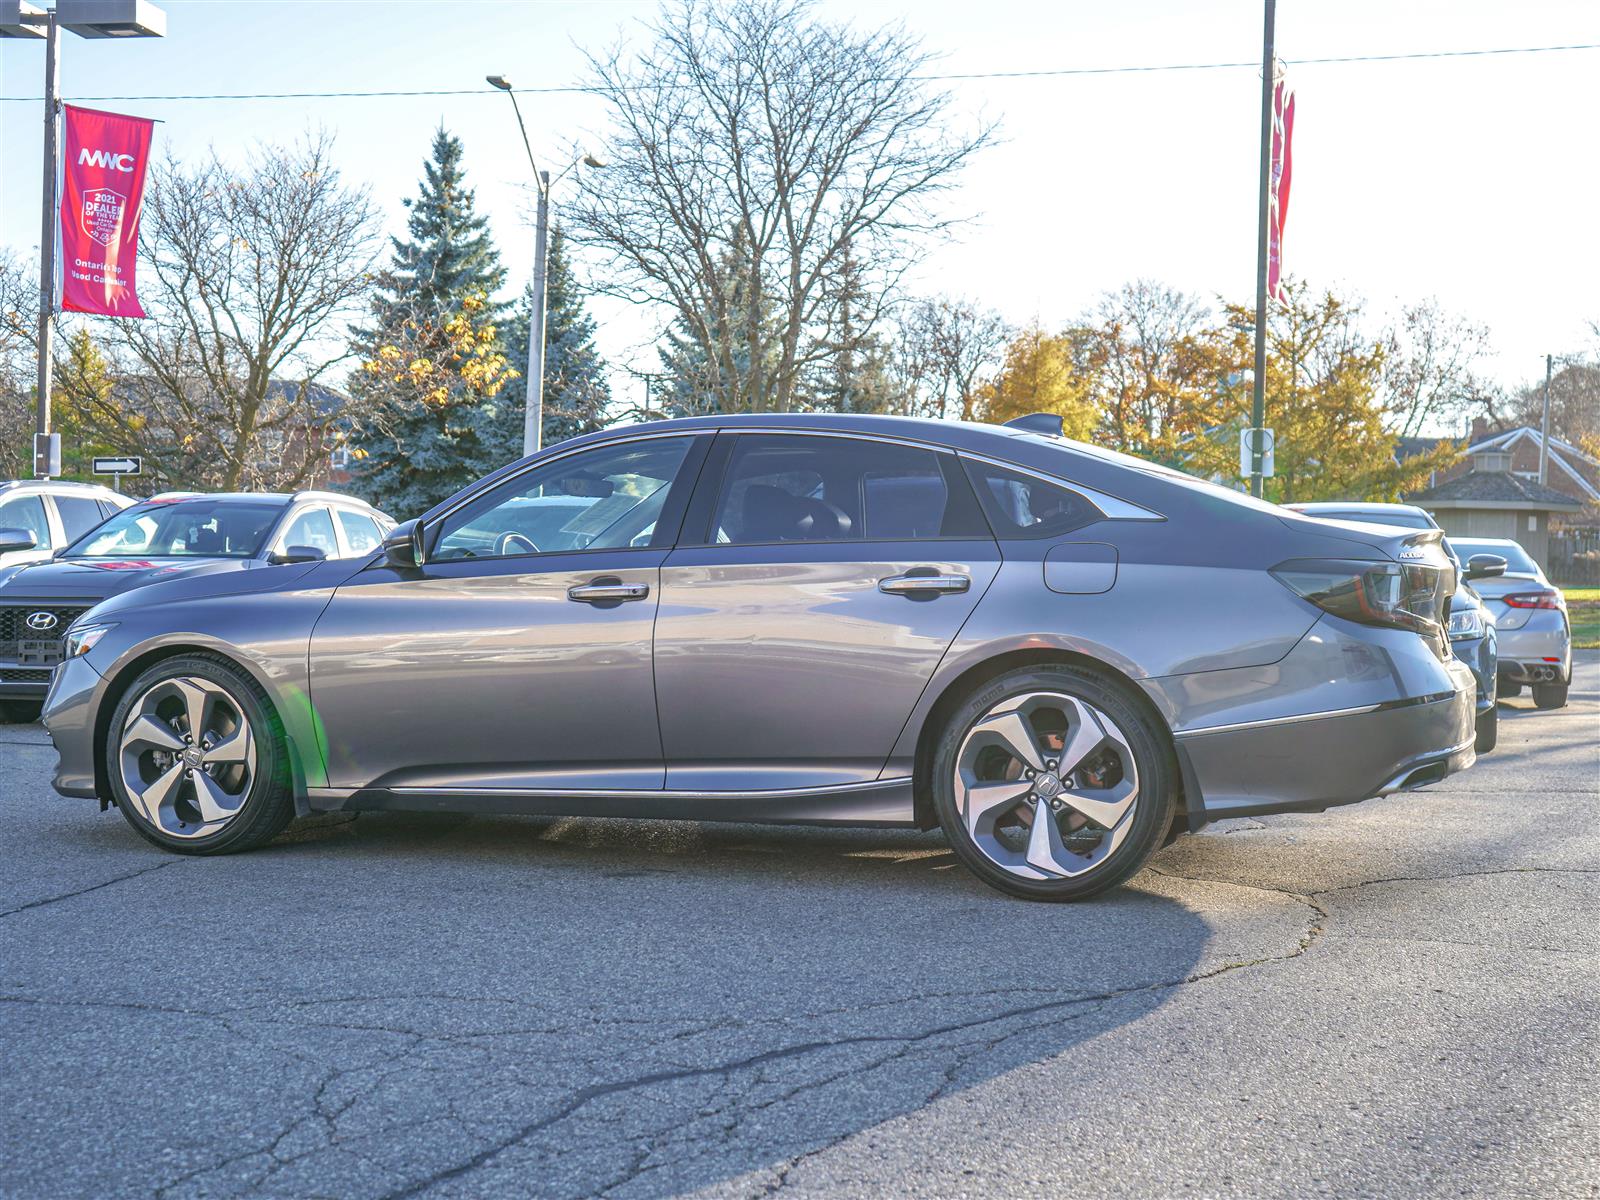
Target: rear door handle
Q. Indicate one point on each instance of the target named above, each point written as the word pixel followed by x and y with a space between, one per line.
pixel 924 585
pixel 601 593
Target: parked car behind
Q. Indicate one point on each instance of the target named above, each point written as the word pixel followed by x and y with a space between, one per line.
pixel 1473 637
pixel 1059 654
pixel 1531 615
pixel 39 516
pixel 164 538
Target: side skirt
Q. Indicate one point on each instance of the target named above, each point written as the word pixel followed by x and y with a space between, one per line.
pixel 883 803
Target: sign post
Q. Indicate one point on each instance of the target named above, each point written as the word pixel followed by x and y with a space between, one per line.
pixel 128 464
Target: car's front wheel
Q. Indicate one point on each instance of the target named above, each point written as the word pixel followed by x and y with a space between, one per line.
pixel 197 759
pixel 1052 784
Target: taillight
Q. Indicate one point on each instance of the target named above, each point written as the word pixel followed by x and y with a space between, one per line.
pixel 1532 600
pixel 1410 596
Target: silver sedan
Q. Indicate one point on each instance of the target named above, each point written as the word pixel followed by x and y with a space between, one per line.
pixel 1059 655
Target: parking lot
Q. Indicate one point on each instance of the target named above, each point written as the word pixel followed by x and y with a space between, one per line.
pixel 1398 998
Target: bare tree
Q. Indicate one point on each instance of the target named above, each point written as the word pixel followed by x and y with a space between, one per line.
pixel 759 155
pixel 19 299
pixel 948 347
pixel 1429 375
pixel 254 271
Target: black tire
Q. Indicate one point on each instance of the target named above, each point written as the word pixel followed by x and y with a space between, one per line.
pixel 1550 695
pixel 1505 689
pixel 269 804
pixel 1488 730
pixel 1152 817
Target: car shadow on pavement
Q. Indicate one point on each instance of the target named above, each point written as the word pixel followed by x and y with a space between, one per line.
pixel 545 1007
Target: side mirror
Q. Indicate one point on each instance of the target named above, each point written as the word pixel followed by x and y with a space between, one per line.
pixel 297 554
pixel 17 539
pixel 402 549
pixel 1485 566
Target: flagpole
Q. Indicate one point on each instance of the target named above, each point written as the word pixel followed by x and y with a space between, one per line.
pixel 47 247
pixel 1258 400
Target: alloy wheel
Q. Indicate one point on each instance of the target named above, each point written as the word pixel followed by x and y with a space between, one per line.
pixel 1047 785
pixel 187 756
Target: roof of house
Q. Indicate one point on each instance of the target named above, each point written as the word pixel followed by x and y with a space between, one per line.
pixel 1562 455
pixel 1500 489
pixel 1410 447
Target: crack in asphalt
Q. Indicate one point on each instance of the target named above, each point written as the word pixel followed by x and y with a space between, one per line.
pixel 906 1041
pixel 93 887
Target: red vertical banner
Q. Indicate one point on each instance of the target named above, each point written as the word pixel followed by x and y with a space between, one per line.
pixel 101 196
pixel 1278 185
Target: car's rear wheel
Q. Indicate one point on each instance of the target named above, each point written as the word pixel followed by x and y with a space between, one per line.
pixel 1052 784
pixel 1550 695
pixel 197 759
pixel 1488 729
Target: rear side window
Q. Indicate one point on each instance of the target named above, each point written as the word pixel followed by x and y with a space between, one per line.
pixel 79 514
pixel 1025 506
pixel 800 488
pixel 360 531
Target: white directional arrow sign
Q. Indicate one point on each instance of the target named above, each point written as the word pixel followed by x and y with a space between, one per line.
pixel 130 464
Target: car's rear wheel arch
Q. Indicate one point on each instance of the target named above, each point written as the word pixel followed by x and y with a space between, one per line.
pixel 974 677
pixel 124 678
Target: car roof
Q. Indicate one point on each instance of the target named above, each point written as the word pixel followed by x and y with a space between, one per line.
pixel 55 485
pixel 280 498
pixel 1361 506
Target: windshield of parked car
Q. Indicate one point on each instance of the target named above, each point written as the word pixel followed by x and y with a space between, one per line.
pixel 201 528
pixel 1518 561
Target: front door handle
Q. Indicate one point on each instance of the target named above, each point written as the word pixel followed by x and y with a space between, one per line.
pixel 924 585
pixel 608 592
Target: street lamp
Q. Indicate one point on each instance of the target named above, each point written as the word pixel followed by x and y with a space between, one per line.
pixel 88 19
pixel 533 414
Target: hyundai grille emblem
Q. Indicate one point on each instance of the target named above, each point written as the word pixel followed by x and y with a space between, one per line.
pixel 41 621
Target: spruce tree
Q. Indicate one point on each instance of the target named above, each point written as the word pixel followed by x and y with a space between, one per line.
pixel 433 374
pixel 575 389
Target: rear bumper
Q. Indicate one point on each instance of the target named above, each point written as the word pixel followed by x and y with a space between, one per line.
pixel 1526 653
pixel 1319 761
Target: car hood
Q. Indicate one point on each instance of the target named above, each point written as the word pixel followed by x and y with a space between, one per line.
pixel 165 590
pixel 100 578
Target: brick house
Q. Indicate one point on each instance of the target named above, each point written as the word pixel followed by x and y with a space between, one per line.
pixel 1495 492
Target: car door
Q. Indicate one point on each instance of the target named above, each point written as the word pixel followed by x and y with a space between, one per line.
pixel 518 656
pixel 818 581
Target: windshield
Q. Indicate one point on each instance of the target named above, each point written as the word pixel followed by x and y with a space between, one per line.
pixel 203 528
pixel 1517 559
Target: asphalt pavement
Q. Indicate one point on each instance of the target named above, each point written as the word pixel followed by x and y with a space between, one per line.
pixel 1400 998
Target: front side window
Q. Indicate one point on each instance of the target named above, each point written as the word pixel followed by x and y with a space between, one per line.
pixel 601 499
pixel 182 529
pixel 313 528
pixel 1025 506
pixel 798 488
pixel 26 513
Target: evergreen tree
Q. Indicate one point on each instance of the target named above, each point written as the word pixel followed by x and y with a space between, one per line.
pixel 575 390
pixel 432 359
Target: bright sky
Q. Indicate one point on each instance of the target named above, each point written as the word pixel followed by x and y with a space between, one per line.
pixel 1470 179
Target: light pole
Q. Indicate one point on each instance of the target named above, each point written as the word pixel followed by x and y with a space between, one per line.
pixel 89 19
pixel 533 414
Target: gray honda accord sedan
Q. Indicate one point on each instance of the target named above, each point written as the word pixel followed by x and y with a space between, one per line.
pixel 1060 655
